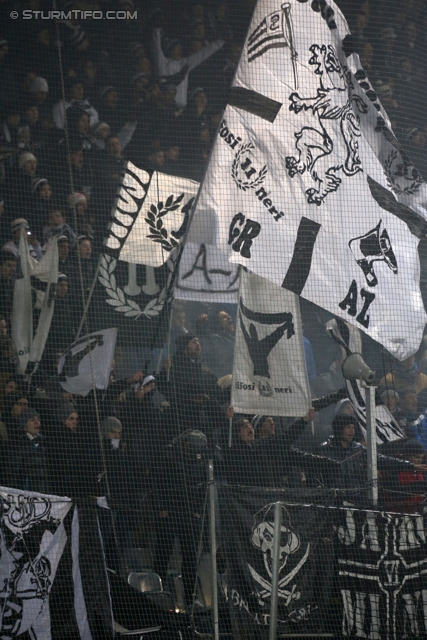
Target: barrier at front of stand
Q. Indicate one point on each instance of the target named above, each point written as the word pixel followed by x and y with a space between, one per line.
pixel 343 571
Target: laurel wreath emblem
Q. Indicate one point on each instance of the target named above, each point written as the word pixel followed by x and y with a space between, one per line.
pixel 158 233
pixel 117 297
pixel 244 185
pixel 411 189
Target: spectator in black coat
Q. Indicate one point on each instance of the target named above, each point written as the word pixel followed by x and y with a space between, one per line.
pixel 264 462
pixel 63 323
pixel 39 211
pixel 353 457
pixel 118 485
pixel 28 468
pixel 193 390
pixel 72 472
pixel 139 414
pixel 179 487
pixel 15 403
pixel 80 269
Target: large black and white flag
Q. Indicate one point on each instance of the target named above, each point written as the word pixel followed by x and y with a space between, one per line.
pixel 294 189
pixel 86 364
pixel 269 371
pixel 348 337
pixel 382 564
pixel 305 565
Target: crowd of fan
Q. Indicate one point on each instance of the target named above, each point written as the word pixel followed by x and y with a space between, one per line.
pixel 76 101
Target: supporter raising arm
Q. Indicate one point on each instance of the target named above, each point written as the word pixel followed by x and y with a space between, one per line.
pixel 263 462
pixel 178 66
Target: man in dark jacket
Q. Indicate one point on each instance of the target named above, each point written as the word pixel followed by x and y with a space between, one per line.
pixel 264 462
pixel 179 491
pixel 28 457
pixel 193 390
pixel 353 456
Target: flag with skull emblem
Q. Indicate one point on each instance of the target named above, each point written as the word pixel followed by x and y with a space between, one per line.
pixel 306 553
pixel 297 187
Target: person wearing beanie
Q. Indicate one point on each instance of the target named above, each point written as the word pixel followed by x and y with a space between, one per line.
pixel 33 244
pixel 28 468
pixel 27 163
pixel 39 86
pixel 148 383
pixel 78 212
pixel 345 408
pixel 112 430
pixel 352 455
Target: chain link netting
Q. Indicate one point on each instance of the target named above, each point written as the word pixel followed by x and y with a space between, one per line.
pixel 152 329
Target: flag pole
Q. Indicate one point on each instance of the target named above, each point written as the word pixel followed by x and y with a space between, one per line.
pixel 371 437
pixel 275 570
pixel 215 617
pixel 88 299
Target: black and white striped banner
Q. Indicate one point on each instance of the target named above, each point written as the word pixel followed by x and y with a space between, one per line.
pixel 348 338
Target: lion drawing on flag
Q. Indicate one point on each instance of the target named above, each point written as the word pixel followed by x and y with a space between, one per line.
pixel 334 101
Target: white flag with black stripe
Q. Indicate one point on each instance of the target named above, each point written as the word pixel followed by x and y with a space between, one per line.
pixel 294 189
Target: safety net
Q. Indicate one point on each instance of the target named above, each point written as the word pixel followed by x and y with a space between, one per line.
pixel 213 371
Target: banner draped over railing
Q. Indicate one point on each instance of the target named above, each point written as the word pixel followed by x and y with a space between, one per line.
pixel 373 563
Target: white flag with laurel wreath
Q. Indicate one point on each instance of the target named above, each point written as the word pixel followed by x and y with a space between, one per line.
pixel 161 222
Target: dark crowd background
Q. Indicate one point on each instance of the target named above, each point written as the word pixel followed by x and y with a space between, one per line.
pixel 78 98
